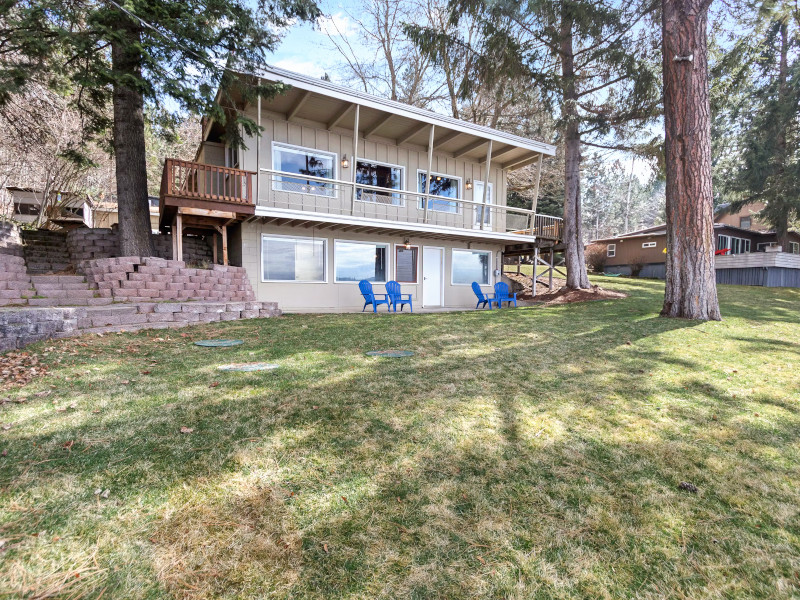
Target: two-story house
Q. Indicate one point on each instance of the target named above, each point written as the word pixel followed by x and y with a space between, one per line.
pixel 344 186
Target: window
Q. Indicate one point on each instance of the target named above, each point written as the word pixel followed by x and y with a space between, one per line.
pixel 649 245
pixel 441 185
pixel 477 196
pixel 611 250
pixel 471 265
pixel 734 244
pixel 379 175
pixel 762 247
pixel 745 222
pixel 355 261
pixel 303 161
pixel 794 247
pixel 285 258
pixel 405 264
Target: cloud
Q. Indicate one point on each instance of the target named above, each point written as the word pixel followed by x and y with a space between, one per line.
pixel 339 24
pixel 305 67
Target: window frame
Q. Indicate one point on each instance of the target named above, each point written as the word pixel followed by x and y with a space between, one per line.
pixel 459 200
pixel 793 246
pixel 416 271
pixel 400 195
pixel 649 244
pixel 388 259
pixel 295 237
pixel 453 252
pixel 611 250
pixel 277 179
pixel 476 221
pixel 749 222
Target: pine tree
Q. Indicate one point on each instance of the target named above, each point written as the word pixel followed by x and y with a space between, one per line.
pixel 757 115
pixel 132 53
pixel 593 62
pixel 691 289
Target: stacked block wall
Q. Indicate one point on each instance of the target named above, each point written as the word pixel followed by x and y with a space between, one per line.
pixel 10 239
pixel 134 279
pixel 15 283
pixel 89 244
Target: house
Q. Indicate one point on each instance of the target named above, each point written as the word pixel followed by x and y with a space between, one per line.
pixel 67 210
pixel 747 251
pixel 344 186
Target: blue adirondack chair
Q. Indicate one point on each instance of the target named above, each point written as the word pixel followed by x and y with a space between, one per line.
pixel 395 297
pixel 372 298
pixel 502 294
pixel 483 299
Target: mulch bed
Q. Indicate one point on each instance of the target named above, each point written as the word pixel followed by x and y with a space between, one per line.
pixel 560 293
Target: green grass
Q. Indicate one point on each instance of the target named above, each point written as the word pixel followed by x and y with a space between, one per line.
pixel 529 453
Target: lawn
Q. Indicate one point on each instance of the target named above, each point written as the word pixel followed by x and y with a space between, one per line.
pixel 528 453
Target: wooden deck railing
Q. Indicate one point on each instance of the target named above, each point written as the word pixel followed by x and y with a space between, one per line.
pixel 196 181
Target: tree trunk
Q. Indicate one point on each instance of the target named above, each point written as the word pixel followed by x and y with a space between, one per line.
pixel 573 226
pixel 691 289
pixel 129 146
pixel 782 226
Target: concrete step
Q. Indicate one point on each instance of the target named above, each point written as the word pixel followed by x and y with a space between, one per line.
pixel 57 293
pixel 41 268
pixel 69 301
pixel 61 286
pixel 49 279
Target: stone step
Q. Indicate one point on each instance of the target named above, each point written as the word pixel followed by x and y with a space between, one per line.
pixel 58 293
pixel 46 267
pixel 46 279
pixel 61 286
pixel 69 301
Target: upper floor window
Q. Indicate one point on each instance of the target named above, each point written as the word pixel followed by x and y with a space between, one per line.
pixel 303 161
pixel 745 222
pixel 440 185
pixel 380 175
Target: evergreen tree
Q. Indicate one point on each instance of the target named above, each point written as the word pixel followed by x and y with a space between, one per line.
pixel 757 115
pixel 592 62
pixel 131 53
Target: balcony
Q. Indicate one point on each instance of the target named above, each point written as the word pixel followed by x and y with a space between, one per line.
pixel 204 190
pixel 289 195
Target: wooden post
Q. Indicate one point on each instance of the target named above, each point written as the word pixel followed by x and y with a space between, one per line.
pixel 428 172
pixel 535 265
pixel 486 181
pixel 552 266
pixel 354 163
pixel 174 237
pixel 179 235
pixel 519 264
pixel 225 245
pixel 535 201
pixel 214 249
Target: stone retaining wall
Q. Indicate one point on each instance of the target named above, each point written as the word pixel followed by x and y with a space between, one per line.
pixel 15 283
pixel 10 239
pixel 134 279
pixel 88 244
pixel 20 327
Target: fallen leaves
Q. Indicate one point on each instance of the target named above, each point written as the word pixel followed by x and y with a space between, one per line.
pixel 187 429
pixel 19 368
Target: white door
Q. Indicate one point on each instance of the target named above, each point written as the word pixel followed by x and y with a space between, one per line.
pixel 487 211
pixel 432 276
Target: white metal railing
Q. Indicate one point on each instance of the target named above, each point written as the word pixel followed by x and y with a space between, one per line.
pixel 280 189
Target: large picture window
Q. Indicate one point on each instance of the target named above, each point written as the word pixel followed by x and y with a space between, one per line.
pixel 441 185
pixel 405 264
pixel 285 258
pixel 303 161
pixel 734 244
pixel 354 261
pixel 471 265
pixel 379 175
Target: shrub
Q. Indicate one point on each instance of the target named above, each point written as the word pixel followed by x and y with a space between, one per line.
pixel 596 257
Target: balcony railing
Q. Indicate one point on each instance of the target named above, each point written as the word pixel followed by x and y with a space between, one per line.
pixel 279 189
pixel 196 181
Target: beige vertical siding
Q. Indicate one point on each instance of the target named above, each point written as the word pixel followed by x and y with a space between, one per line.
pixel 331 296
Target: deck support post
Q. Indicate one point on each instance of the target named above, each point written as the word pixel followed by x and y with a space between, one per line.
pixel 428 172
pixel 225 245
pixel 535 264
pixel 486 181
pixel 258 155
pixel 354 164
pixel 552 266
pixel 178 233
pixel 214 249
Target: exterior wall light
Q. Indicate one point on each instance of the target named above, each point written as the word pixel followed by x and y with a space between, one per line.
pixel 469 184
pixel 345 162
pixel 407 243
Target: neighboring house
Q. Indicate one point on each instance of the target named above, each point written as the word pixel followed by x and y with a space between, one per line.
pixel 344 186
pixel 747 251
pixel 67 210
